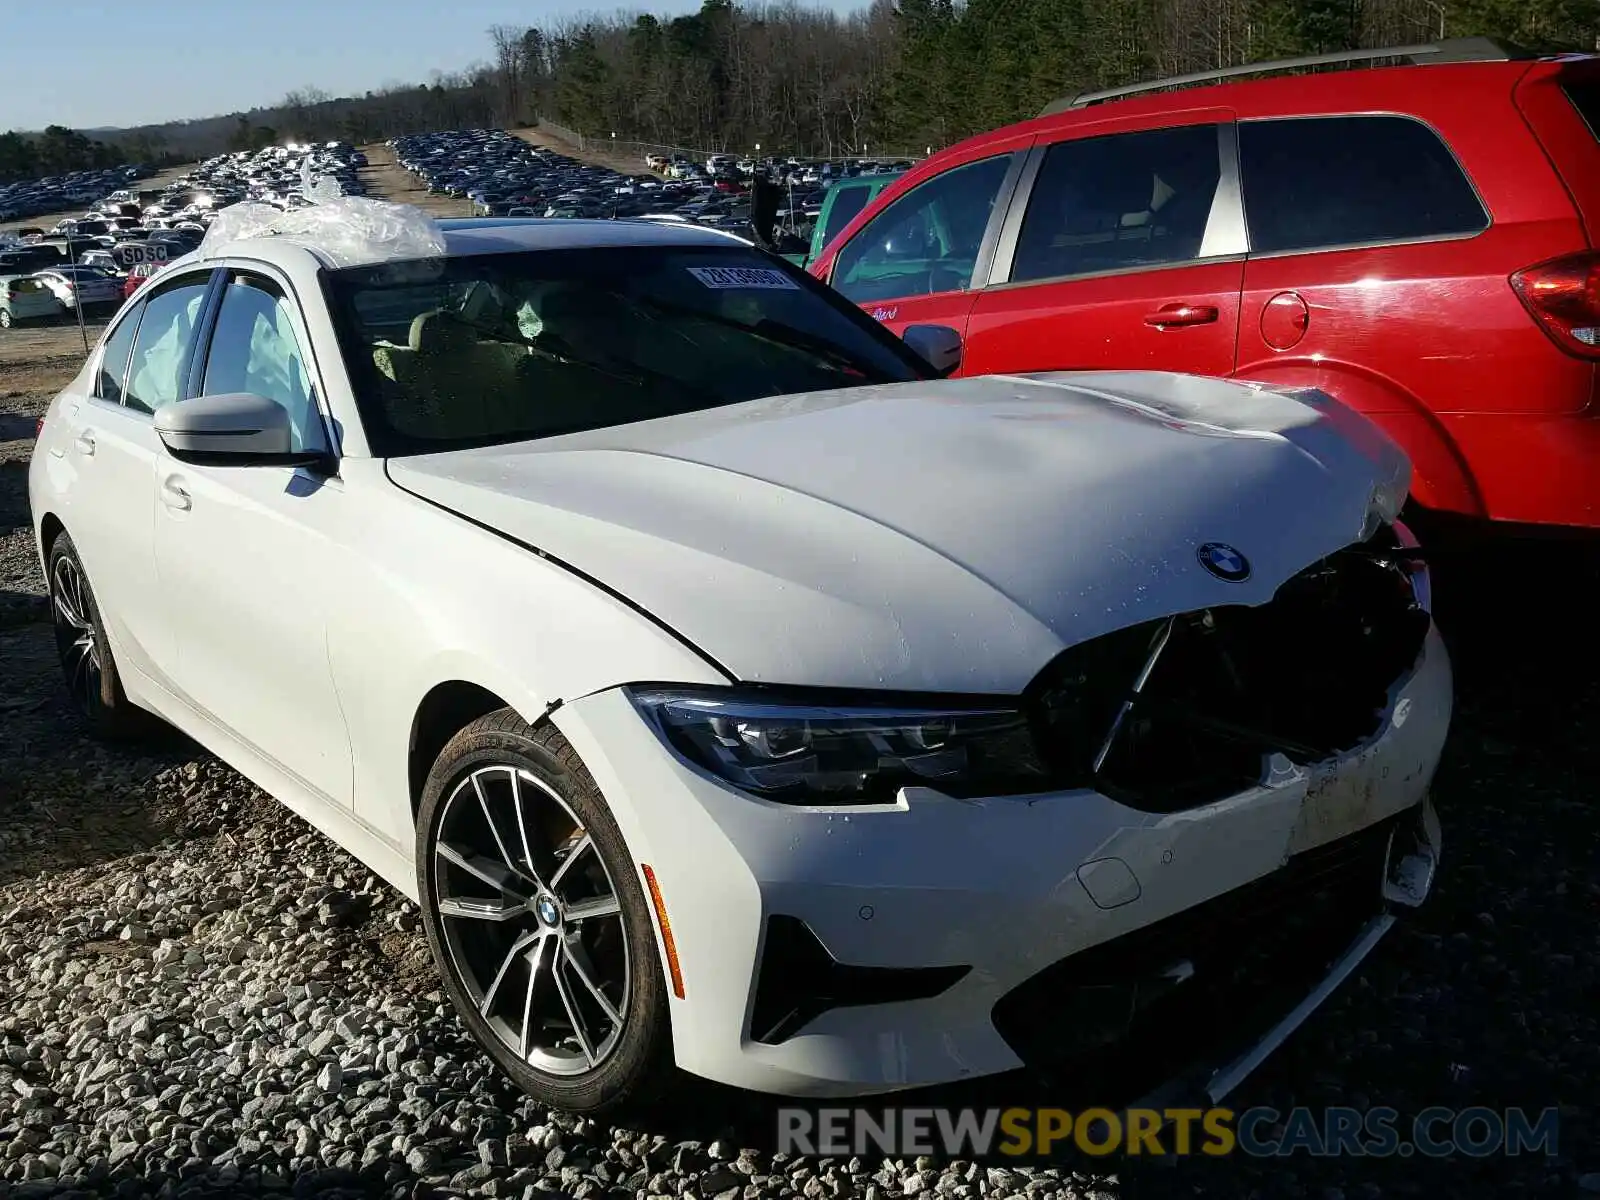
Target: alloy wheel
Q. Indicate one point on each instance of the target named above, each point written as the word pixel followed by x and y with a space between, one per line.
pixel 531 920
pixel 76 640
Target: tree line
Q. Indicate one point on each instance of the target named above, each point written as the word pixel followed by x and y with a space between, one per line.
pixel 893 77
pixel 904 75
pixel 56 151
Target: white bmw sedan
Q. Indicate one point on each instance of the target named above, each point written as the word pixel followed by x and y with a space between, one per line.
pixel 731 690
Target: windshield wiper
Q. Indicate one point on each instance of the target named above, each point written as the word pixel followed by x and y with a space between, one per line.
pixel 779 334
pixel 796 339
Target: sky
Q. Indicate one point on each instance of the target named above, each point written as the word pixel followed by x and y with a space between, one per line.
pixel 145 63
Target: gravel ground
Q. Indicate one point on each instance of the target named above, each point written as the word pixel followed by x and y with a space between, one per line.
pixel 201 996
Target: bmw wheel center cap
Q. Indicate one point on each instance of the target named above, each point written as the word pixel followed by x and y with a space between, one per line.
pixel 1223 561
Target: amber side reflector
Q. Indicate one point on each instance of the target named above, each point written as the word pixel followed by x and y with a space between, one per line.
pixel 666 930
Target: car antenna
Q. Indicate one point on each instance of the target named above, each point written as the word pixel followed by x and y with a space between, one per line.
pixel 72 262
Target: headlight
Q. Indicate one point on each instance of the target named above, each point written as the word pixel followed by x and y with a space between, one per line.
pixel 846 754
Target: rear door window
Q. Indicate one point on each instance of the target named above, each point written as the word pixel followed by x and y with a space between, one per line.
pixel 1313 183
pixel 1118 202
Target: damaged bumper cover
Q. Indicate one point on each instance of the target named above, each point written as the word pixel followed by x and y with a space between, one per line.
pixel 931 940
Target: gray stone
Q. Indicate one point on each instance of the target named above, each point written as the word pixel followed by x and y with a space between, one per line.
pixel 422 1160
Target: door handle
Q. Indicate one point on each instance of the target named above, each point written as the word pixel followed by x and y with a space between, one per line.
pixel 175 496
pixel 85 444
pixel 1178 316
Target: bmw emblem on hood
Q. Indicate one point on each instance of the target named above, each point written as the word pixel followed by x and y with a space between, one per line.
pixel 1223 561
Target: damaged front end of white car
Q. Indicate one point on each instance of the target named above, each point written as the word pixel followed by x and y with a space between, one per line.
pixel 1321 715
pixel 1078 722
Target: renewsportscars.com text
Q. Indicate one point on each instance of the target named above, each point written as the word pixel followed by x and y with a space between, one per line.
pixel 1260 1132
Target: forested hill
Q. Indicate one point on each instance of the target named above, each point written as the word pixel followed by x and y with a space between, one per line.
pixel 897 76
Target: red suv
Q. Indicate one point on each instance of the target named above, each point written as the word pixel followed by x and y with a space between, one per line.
pixel 1421 241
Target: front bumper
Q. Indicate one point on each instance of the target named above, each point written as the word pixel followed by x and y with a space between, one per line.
pixel 1006 887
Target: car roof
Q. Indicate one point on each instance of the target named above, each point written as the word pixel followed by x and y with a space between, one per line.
pixel 1403 88
pixel 1470 96
pixel 498 235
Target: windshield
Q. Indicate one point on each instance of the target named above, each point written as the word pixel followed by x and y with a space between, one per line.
pixel 481 349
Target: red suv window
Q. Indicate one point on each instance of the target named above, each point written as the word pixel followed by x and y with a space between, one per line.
pixel 1585 98
pixel 1111 203
pixel 1317 182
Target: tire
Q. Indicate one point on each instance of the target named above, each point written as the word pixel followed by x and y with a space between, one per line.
pixel 501 903
pixel 5 318
pixel 87 666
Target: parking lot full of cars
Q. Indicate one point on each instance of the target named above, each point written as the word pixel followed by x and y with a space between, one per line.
pixel 503 175
pixel 90 263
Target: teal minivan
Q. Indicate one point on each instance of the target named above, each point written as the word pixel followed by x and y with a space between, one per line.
pixel 840 204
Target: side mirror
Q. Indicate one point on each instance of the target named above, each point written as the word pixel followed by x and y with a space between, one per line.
pixel 236 429
pixel 939 345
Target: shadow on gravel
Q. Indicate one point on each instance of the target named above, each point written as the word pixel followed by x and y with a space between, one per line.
pixel 20 608
pixel 13 493
pixel 66 800
pixel 16 427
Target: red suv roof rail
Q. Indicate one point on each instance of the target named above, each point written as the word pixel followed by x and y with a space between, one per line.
pixel 1448 50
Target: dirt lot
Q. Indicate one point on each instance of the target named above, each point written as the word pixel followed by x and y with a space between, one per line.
pixel 387 180
pixel 617 162
pixel 1490 997
pixel 35 355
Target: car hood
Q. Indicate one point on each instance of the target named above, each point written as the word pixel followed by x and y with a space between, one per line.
pixel 949 536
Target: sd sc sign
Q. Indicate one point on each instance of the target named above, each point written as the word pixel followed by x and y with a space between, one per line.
pixel 133 254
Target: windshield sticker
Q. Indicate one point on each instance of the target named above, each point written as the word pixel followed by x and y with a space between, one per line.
pixel 744 277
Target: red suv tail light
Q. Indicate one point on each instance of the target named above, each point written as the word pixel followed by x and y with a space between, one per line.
pixel 1564 297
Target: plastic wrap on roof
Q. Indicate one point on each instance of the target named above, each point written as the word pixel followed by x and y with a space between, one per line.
pixel 352 231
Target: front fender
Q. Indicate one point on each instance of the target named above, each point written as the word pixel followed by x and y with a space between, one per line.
pixel 1441 477
pixel 428 598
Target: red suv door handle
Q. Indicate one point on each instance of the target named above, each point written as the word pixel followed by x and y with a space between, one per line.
pixel 1176 316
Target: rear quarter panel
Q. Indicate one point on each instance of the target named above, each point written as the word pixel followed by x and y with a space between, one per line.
pixel 1437 319
pixel 1428 338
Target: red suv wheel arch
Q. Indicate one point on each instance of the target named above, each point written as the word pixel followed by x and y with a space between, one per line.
pixel 1440 476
